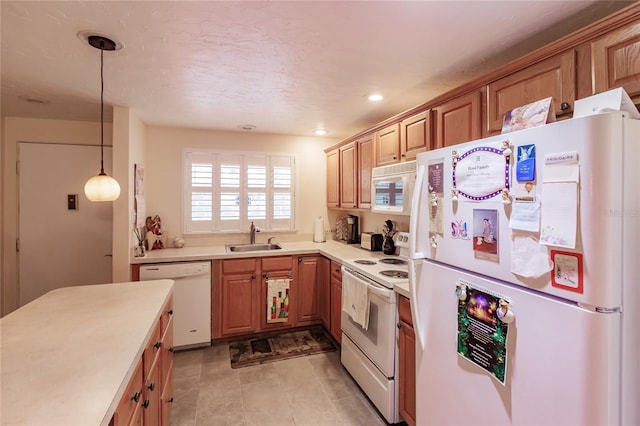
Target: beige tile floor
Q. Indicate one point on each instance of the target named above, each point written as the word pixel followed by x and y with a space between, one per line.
pixel 313 390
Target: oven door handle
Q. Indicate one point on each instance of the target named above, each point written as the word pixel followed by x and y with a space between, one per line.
pixel 373 287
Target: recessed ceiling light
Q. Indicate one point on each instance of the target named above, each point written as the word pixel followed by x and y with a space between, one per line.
pixel 375 97
pixel 246 127
pixel 320 132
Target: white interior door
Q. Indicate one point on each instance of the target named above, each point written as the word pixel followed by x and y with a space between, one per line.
pixel 61 247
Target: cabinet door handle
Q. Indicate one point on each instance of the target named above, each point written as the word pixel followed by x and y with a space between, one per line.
pixel 170 400
pixel 157 345
pixel 145 404
pixel 171 349
pixel 565 106
pixel 399 326
pixel 136 396
pixel 151 387
pixel 253 277
pixel 170 312
pixel 395 157
pixel 403 155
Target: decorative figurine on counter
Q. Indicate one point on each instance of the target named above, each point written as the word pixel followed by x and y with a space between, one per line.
pixel 155 234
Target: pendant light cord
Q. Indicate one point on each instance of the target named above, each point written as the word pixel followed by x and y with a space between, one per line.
pixel 102 108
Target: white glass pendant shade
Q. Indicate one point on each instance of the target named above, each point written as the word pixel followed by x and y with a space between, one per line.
pixel 102 188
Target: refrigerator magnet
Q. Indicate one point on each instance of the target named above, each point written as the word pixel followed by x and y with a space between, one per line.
pixel 567 271
pixel 526 163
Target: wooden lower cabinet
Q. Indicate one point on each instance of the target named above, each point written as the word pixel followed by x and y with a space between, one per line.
pixel 166 399
pixel 151 395
pixel 308 286
pixel 238 296
pixel 152 378
pixel 336 301
pixel 407 362
pixel 273 268
pixel 325 292
pixel 130 401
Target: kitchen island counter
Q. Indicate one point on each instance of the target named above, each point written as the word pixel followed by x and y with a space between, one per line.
pixel 68 356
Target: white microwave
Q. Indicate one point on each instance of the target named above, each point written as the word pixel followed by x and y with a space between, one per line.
pixel 392 188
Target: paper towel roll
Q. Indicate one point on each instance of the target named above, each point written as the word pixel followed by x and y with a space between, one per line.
pixel 318 230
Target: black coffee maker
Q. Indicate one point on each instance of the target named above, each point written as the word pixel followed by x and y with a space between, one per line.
pixel 353 235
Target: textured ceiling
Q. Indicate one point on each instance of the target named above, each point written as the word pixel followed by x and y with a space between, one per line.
pixel 284 67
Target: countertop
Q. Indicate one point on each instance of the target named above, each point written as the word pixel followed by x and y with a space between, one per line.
pixel 338 251
pixel 67 357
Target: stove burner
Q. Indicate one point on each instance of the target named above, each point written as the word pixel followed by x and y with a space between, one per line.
pixel 393 261
pixel 395 274
pixel 365 262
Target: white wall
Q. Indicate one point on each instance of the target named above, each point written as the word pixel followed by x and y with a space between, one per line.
pixel 129 140
pixel 14 130
pixel 163 175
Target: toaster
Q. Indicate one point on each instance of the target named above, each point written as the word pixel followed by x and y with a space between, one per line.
pixel 371 241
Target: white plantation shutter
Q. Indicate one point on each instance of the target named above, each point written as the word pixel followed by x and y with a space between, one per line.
pixel 225 192
pixel 229 199
pixel 199 179
pixel 281 192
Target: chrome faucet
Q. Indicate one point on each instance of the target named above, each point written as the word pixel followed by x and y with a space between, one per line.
pixel 252 233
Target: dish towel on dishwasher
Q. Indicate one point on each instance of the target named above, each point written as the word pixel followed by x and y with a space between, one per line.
pixel 355 299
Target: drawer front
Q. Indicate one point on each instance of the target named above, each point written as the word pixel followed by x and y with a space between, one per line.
pixel 152 350
pixel 336 270
pixel 130 400
pixel 235 266
pixel 404 310
pixel 166 356
pixel 276 263
pixel 167 313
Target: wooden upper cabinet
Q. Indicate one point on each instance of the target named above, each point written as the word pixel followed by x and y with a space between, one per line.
pixel 459 120
pixel 365 164
pixel 554 77
pixel 616 61
pixel 348 176
pixel 415 135
pixel 387 147
pixel 333 178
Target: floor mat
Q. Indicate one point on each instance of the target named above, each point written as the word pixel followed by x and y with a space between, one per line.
pixel 278 346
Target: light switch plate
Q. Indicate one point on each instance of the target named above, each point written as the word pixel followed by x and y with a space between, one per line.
pixel 72 201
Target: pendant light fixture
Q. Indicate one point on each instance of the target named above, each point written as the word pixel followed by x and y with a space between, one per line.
pixel 102 187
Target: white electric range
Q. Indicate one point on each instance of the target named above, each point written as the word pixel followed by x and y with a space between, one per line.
pixel 369 355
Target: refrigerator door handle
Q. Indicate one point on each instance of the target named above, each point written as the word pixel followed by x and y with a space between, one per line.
pixel 418 326
pixel 415 206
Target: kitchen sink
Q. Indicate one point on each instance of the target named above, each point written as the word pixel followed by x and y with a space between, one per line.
pixel 241 248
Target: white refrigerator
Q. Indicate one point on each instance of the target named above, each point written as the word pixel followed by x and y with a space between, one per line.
pixel 525 277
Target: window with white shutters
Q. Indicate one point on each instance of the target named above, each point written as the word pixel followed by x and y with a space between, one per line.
pixel 226 191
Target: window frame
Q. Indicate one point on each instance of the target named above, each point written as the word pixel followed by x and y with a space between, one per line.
pixel 246 159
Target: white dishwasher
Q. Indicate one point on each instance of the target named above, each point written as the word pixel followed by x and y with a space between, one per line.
pixel 191 299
